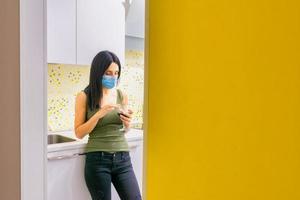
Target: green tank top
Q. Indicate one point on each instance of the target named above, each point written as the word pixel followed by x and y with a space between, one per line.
pixel 106 135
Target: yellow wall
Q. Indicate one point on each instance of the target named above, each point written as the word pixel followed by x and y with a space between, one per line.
pixel 223 100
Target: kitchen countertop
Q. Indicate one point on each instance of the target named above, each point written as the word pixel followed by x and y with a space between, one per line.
pixel 131 136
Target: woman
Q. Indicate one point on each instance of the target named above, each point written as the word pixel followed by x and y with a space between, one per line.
pixel 96 113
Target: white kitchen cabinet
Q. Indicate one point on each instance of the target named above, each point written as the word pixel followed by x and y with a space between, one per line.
pixel 65 169
pixel 135 21
pixel 136 153
pixel 78 29
pixel 61 31
pixel 100 26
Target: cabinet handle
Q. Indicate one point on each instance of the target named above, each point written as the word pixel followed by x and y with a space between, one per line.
pixel 63 157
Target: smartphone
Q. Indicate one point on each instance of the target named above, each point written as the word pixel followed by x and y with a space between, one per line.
pixel 119 113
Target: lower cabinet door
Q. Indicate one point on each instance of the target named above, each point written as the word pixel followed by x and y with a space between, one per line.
pixel 65 175
pixel 66 179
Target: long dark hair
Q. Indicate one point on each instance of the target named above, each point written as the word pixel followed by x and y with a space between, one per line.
pixel 100 64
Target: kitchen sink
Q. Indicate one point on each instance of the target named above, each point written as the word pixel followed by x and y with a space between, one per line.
pixel 56 138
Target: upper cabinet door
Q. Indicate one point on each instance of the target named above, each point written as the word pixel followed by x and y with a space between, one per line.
pixel 61 31
pixel 100 26
pixel 135 22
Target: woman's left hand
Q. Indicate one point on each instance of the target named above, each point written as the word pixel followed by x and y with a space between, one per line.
pixel 127 119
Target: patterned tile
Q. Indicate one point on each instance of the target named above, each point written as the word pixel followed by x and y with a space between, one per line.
pixel 65 81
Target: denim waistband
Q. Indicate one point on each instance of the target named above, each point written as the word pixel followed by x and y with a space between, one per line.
pixel 106 153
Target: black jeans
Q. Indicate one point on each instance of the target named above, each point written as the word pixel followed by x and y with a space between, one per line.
pixel 104 168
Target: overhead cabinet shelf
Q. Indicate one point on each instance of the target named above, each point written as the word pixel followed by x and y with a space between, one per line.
pixel 78 29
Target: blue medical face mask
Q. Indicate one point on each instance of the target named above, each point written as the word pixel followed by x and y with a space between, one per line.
pixel 109 81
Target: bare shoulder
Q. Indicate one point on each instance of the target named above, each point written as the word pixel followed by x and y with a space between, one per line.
pixel 81 98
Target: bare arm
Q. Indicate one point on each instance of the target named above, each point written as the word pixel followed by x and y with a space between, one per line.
pixel 81 127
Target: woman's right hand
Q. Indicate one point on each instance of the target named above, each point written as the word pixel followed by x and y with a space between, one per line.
pixel 106 109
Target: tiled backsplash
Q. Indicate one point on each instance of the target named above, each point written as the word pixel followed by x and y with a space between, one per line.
pixel 65 81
